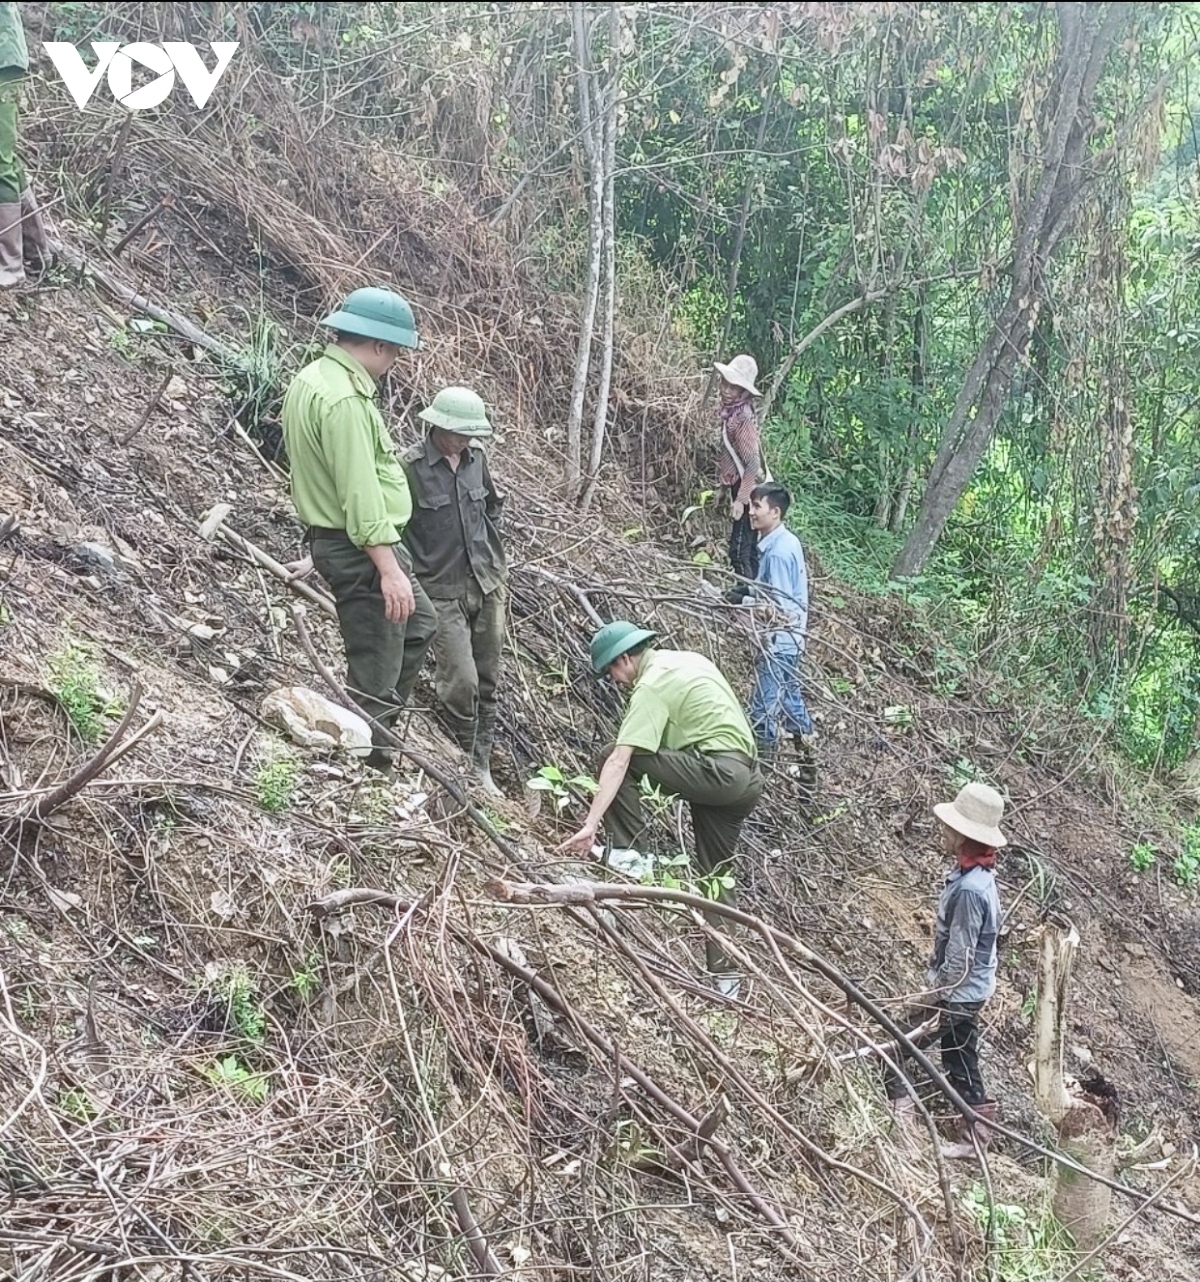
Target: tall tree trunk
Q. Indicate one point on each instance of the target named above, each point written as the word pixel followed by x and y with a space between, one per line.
pixel 608 155
pixel 587 321
pixel 739 242
pixel 913 441
pixel 1086 36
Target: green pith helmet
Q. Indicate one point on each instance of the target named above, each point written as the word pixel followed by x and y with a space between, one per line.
pixel 379 313
pixel 458 410
pixel 615 639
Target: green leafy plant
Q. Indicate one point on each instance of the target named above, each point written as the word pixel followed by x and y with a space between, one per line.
pixel 1186 868
pixel 78 1104
pixel 1043 882
pixel 1029 1248
pixel 275 781
pixel 963 772
pixel 498 821
pixel 307 979
pixel 552 780
pixel 238 994
pixel 231 1072
pixel 74 681
pixel 716 884
pixel 667 872
pixel 1142 857
pixel 658 801
pixel 1029 1005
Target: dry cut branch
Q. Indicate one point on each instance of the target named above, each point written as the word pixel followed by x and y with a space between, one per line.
pixel 111 751
pixel 580 893
pixel 700 1130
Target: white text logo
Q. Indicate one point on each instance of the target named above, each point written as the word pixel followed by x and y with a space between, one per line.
pixel 166 59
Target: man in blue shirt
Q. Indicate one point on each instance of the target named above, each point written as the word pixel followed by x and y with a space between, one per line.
pixel 780 603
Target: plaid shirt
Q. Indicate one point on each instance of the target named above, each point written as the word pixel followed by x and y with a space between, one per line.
pixel 741 424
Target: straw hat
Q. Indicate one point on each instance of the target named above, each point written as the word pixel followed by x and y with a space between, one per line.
pixel 976 813
pixel 741 372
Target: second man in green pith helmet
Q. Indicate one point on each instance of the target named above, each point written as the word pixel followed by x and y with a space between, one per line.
pixel 353 497
pixel 454 540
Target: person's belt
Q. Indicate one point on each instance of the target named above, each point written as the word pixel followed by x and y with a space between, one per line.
pixel 327 530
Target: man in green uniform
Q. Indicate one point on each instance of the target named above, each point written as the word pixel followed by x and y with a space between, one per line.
pixel 23 236
pixel 352 495
pixel 454 539
pixel 685 731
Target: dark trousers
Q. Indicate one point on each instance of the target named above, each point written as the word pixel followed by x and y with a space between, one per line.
pixel 743 543
pixel 382 658
pixel 721 789
pixel 467 650
pixel 958 1033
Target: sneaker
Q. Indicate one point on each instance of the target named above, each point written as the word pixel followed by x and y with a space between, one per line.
pixel 728 985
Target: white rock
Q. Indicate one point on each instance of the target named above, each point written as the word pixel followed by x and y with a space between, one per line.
pixel 314 721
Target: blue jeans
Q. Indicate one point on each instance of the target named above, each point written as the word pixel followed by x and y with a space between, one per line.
pixel 778 697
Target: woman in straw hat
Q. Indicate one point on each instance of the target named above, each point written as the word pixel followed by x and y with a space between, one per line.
pixel 962 968
pixel 741 467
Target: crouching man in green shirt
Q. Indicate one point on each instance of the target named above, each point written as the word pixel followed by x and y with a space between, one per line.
pixel 352 495
pixel 685 731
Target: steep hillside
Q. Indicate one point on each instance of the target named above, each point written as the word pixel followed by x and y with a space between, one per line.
pixel 217 1056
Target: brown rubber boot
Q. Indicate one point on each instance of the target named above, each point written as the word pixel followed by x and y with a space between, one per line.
pixel 12 266
pixel 36 247
pixel 964 1150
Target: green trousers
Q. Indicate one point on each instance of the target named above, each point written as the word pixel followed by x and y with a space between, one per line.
pixel 12 174
pixel 382 658
pixel 467 649
pixel 721 790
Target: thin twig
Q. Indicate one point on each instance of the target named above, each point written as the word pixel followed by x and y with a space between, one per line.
pixel 150 406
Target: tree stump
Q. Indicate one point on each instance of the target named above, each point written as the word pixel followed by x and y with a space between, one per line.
pixel 1085 1114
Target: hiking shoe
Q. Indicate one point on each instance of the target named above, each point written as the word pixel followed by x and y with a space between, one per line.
pixel 728 985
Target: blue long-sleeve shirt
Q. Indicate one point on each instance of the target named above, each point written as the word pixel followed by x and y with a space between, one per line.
pixel 783 582
pixel 963 964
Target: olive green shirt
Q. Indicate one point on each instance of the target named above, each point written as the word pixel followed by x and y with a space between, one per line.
pixel 681 700
pixel 345 473
pixel 14 52
pixel 454 534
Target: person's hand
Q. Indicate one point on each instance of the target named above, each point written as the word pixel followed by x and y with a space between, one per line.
pixel 299 569
pixel 398 600
pixel 737 509
pixel 582 841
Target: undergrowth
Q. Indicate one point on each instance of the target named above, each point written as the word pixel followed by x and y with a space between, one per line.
pixel 275 779
pixel 1027 1247
pixel 74 680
